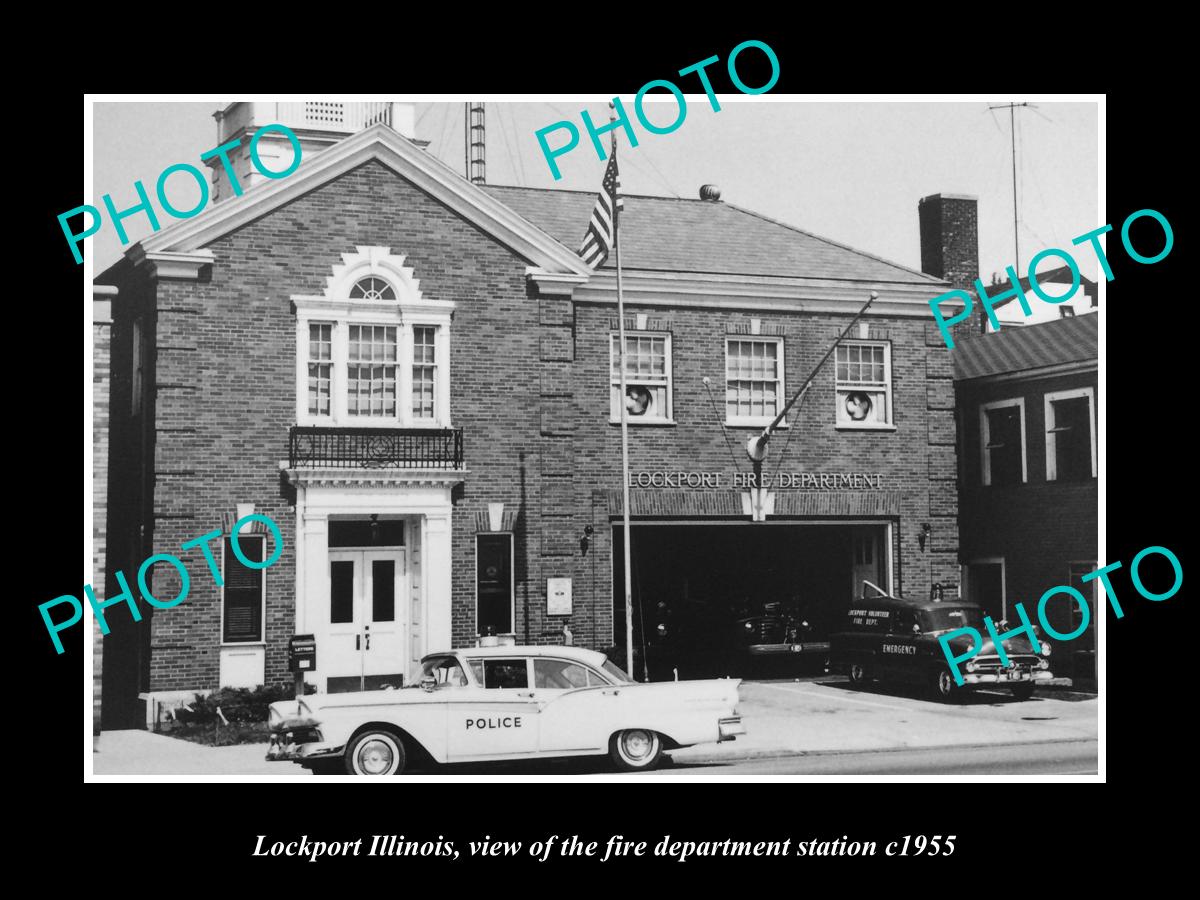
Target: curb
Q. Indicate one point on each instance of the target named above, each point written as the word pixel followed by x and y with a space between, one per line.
pixel 784 753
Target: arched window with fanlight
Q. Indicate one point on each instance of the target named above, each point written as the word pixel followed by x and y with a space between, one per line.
pixel 373 351
pixel 372 288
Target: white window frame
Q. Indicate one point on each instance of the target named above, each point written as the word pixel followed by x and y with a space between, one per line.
pixel 1052 437
pixel 780 393
pixel 262 621
pixel 404 316
pixel 614 415
pixel 839 386
pixel 985 464
pixel 512 576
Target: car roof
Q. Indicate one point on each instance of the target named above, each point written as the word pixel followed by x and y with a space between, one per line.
pixel 591 657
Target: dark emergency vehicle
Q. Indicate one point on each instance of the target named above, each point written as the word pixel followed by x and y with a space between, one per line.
pixel 893 639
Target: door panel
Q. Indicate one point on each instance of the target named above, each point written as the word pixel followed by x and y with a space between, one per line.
pixel 866 548
pixel 363 646
pixel 500 719
pixel 383 629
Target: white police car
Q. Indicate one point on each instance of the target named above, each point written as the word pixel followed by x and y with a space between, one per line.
pixel 503 703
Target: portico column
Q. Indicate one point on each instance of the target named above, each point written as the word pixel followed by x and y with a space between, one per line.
pixel 312 581
pixel 436 576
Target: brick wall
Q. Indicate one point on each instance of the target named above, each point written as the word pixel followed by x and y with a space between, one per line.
pixel 529 386
pixel 916 460
pixel 1039 527
pixel 101 361
pixel 226 394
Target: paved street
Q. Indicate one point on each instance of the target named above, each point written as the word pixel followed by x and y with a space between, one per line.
pixel 808 726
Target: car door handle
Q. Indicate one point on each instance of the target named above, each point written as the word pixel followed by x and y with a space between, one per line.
pixel 525 694
pixel 358 642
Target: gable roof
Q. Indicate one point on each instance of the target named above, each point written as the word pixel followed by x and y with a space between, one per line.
pixel 1027 348
pixel 378 142
pixel 676 235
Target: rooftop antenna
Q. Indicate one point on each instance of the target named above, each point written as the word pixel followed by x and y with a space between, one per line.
pixel 1012 121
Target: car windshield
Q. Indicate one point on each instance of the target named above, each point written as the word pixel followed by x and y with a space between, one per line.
pixel 616 672
pixel 445 670
pixel 953 617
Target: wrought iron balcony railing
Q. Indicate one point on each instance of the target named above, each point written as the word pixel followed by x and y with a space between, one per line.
pixel 376 448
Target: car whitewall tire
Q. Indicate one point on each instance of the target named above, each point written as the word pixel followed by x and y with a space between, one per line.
pixel 375 753
pixel 636 749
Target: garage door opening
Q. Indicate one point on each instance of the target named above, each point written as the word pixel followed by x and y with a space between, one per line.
pixel 740 599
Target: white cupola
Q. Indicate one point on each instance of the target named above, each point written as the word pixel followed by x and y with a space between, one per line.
pixel 317 125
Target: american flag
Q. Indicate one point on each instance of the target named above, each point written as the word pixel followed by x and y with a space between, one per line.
pixel 598 241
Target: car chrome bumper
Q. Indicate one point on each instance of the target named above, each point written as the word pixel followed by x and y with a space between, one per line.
pixel 278 750
pixel 729 728
pixel 785 649
pixel 1006 677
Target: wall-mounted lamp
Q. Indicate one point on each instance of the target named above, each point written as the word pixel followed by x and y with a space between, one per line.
pixel 586 540
pixel 926 530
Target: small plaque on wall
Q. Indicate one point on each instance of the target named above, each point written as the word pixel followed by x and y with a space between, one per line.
pixel 558 596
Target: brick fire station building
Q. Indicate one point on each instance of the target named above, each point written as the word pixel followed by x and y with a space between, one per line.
pixel 415 377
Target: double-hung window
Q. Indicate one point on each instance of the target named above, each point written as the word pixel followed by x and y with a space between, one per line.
pixel 864 385
pixel 647 377
pixel 753 380
pixel 1002 442
pixel 1070 435
pixel 373 356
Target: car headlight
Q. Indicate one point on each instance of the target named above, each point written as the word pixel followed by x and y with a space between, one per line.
pixel 972 666
pixel 749 626
pixel 1045 649
pixel 1043 663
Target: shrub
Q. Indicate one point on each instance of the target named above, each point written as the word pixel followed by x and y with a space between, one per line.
pixel 236 704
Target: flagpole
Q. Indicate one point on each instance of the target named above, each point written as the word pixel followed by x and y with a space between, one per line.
pixel 624 427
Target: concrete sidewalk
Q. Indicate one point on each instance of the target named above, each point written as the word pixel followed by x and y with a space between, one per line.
pixel 145 753
pixel 826 715
pixel 782 718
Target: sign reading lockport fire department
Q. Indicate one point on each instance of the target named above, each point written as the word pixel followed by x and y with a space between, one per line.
pixel 816 481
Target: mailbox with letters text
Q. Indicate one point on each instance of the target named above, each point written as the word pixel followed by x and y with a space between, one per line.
pixel 302 653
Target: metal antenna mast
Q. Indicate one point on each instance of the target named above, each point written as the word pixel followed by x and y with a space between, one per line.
pixel 1012 121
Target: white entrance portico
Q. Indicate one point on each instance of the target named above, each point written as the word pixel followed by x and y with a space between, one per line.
pixel 375 605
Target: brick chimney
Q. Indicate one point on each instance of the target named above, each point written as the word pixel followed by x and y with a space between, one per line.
pixel 950 238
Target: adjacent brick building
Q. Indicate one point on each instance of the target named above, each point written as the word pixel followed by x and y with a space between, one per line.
pixel 1027 404
pixel 413 376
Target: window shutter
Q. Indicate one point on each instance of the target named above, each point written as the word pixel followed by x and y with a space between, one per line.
pixel 243 590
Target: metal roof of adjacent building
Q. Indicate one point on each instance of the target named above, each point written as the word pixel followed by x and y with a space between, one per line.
pixel 1027 347
pixel 676 235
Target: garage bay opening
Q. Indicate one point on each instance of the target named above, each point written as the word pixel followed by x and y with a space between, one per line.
pixel 742 599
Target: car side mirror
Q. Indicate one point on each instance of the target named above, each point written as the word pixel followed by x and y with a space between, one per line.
pixel 428 684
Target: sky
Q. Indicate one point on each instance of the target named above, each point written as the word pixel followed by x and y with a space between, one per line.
pixel 852 172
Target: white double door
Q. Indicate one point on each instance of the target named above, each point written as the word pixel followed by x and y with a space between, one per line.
pixel 365 636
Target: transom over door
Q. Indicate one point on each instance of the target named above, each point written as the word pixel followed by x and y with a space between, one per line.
pixel 365 634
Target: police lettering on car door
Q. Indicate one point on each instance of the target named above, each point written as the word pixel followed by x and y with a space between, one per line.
pixel 499 722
